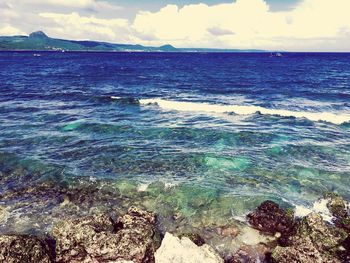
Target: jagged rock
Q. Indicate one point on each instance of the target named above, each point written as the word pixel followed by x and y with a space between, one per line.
pixel 345 253
pixel 195 238
pixel 176 250
pixel 323 236
pixel 302 251
pixel 24 249
pixel 339 209
pixel 314 242
pixel 252 254
pixel 131 237
pixel 270 218
pixel 336 205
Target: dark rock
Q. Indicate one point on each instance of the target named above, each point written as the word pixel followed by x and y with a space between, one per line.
pixel 24 249
pixel 302 251
pixel 338 208
pixel 271 219
pixel 337 205
pixel 252 254
pixel 344 254
pixel 195 238
pixel 314 242
pixel 324 237
pixel 101 239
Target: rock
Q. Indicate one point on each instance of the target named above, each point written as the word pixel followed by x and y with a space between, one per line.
pixel 314 242
pixel 302 251
pixel 176 250
pixel 339 209
pixel 195 238
pixel 252 254
pixel 24 249
pixel 270 218
pixel 345 253
pixel 3 214
pixel 228 231
pixel 336 205
pixel 323 236
pixel 132 237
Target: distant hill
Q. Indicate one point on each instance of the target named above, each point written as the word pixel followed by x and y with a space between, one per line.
pixel 39 41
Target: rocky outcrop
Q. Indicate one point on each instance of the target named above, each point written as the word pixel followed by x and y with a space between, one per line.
pixel 252 254
pixel 338 207
pixel 270 218
pixel 176 250
pixel 314 242
pixel 132 237
pixel 24 249
pixel 195 238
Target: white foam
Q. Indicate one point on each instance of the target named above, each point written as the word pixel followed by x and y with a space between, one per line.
pixel 142 187
pixel 246 110
pixel 319 206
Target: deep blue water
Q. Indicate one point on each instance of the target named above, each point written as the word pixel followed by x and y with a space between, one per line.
pixel 58 119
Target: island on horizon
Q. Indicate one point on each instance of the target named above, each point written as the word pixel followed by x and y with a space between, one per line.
pixel 39 41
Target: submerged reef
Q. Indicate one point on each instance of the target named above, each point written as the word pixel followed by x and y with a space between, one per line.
pixel 59 220
pixel 135 236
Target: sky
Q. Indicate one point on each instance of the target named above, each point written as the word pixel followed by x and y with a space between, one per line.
pixel 291 25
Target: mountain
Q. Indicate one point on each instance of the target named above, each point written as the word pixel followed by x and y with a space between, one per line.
pixel 39 41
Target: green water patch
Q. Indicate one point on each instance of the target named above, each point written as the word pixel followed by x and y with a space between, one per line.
pixel 239 163
pixel 145 161
pixel 188 135
pixel 253 138
pixel 72 126
pixel 274 151
pixel 277 145
pixel 187 201
pixel 224 142
pixel 101 128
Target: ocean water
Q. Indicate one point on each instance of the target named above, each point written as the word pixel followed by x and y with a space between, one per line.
pixel 199 136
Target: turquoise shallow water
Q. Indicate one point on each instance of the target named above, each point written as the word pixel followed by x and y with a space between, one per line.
pixel 63 130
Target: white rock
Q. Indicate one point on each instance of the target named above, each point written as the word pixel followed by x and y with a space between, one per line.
pixel 175 250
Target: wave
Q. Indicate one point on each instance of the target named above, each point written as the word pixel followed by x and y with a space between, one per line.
pixel 320 206
pixel 246 110
pixel 126 100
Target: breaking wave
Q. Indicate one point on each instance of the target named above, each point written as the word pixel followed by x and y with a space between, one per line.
pixel 246 110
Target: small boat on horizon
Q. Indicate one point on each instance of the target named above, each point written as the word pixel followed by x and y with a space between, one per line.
pixel 277 54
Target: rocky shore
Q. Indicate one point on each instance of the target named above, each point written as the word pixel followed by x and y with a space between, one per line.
pixel 135 237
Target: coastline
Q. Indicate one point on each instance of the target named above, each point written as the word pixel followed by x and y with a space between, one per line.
pixel 271 234
pixel 81 209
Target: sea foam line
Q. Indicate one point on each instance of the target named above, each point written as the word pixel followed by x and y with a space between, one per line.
pixel 246 110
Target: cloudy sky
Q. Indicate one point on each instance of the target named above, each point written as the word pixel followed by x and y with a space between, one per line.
pixel 294 25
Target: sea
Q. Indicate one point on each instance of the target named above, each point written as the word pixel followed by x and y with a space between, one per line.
pixel 201 139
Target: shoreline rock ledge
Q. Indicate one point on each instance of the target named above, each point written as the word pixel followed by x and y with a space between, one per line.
pixel 132 237
pixel 25 248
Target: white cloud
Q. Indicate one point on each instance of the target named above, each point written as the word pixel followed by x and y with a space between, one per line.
pixel 82 27
pixel 312 25
pixel 251 23
pixel 7 30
